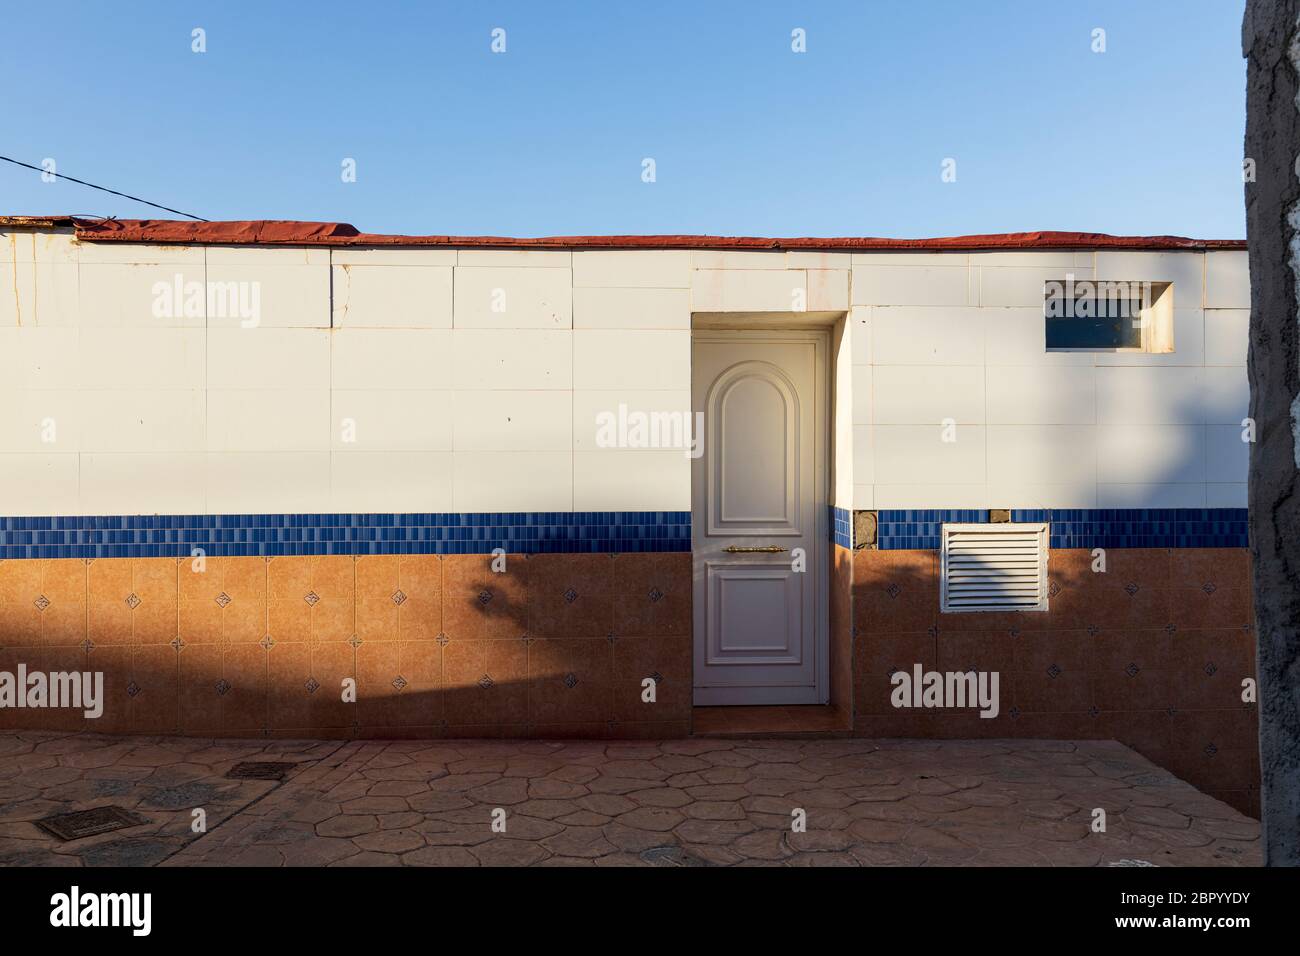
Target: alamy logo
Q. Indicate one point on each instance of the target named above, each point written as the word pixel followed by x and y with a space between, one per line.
pixel 1086 299
pixel 179 299
pixel 79 690
pixel 75 908
pixel 922 688
pixel 628 428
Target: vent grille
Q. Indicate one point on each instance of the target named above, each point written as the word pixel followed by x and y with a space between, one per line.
pixel 994 567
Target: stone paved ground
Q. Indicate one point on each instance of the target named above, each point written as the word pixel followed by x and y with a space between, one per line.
pixel 675 802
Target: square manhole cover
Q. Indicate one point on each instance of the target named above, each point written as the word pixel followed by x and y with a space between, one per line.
pixel 87 823
pixel 259 770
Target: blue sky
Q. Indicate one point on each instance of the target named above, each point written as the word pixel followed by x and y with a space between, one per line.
pixel 548 138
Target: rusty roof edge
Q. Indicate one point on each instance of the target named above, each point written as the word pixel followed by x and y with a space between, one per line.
pixel 37 222
pixel 298 233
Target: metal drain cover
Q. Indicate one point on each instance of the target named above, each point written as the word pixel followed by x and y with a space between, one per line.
pixel 670 856
pixel 86 823
pixel 259 770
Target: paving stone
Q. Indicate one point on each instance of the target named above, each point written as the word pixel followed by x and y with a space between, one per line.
pixel 652 803
pixel 583 818
pixel 369 858
pixel 763 845
pixel 815 840
pixel 669 797
pixel 390 841
pixel 722 791
pixel 348 825
pixel 714 810
pixel 129 852
pixel 508 852
pixel 396 821
pixel 549 788
pixel 823 859
pixel 585 842
pixel 1156 817
pixel 314 811
pixel 440 856
pixel 717 832
pixel 318 852
pixel 633 839
pixel 505 792
pixel 660 819
pixel 608 804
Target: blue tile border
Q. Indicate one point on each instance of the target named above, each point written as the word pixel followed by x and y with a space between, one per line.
pixel 151 536
pixel 1082 527
pixel 165 536
pixel 841 526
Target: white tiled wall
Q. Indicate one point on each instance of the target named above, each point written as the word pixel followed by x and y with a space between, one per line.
pixel 962 337
pixel 471 380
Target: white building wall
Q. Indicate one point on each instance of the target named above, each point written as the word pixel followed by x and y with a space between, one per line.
pixel 399 380
pixel 961 338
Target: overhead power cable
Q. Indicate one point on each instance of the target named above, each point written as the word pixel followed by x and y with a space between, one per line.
pixel 82 182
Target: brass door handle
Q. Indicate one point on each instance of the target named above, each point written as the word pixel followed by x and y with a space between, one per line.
pixel 770 549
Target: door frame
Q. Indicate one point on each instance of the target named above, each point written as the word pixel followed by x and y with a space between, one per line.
pixel 819 559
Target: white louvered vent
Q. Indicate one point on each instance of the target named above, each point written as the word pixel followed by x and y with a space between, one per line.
pixel 994 567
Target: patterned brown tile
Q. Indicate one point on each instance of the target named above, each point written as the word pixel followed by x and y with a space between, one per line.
pixel 895 591
pixel 481 604
pixel 333 612
pixel 292 685
pixel 1053 690
pixel 201 672
pixel 1123 603
pixel 379 664
pixel 652 594
pixel 117 666
pixel 978 650
pixel 244 705
pixel 154 582
pixel 1040 650
pixel 20 580
pixel 1222 567
pixel 639 657
pixel 331 663
pixel 1132 687
pixel 422 700
pixel 571 595
pixel 1114 650
pixel 199 614
pixel 287 578
pixel 1210 606
pixel 419 614
pixel 110 617
pixel 672 699
pixel 485 682
pixel 877 657
pixel 377 583
pixel 243 616
pixel 156 701
pixel 1145 730
pixel 51 660
pixel 63 583
pixel 1229 650
pixel 20 619
pixel 569 680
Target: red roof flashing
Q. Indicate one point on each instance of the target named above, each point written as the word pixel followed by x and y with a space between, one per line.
pixel 272 232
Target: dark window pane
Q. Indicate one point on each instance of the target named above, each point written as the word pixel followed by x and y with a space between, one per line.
pixel 1094 324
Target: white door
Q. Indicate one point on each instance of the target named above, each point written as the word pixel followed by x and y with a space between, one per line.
pixel 758 522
